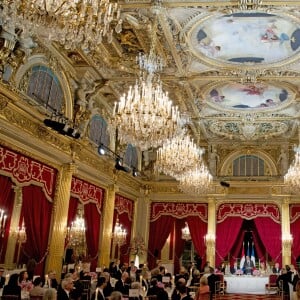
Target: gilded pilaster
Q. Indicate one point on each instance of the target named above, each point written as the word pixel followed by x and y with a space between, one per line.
pixel 59 220
pixel 15 218
pixel 142 213
pixel 210 238
pixel 107 221
pixel 286 234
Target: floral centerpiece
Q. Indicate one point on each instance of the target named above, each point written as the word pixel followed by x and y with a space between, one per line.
pixel 26 285
pixel 256 272
pixel 138 247
pixel 239 272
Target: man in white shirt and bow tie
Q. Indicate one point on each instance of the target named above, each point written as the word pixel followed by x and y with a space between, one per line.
pixel 248 266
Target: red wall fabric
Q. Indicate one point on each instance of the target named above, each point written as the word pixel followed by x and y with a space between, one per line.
pixel 36 211
pixel 295 229
pixel 7 196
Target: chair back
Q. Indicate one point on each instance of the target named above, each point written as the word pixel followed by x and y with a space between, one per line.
pixel 86 284
pixel 9 297
pixel 272 279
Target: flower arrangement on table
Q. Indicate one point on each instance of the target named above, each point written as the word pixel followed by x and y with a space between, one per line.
pixel 239 272
pixel 138 246
pixel 256 272
pixel 26 286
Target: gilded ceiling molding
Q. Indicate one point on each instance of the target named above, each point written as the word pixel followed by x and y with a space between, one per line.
pixel 270 166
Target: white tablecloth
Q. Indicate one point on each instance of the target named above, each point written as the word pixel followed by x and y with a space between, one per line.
pixel 246 284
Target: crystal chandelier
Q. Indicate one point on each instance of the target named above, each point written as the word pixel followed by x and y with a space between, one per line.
pixel 185 232
pixel 292 177
pixel 3 218
pixel 177 156
pixel 76 234
pixel 78 23
pixel 196 181
pixel 146 117
pixel 119 235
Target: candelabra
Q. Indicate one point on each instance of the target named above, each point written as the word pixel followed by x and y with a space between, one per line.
pixel 76 235
pixel 21 237
pixel 80 23
pixel 210 240
pixel 119 234
pixel 185 232
pixel 287 240
pixel 3 218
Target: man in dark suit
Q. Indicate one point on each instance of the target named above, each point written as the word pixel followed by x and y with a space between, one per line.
pixel 276 269
pixel 101 284
pixel 122 284
pixel 234 268
pixel 211 280
pixel 63 293
pixel 2 278
pixel 248 266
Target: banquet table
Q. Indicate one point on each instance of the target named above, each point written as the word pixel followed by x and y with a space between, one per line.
pixel 246 284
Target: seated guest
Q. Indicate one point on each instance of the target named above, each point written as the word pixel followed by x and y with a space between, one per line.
pixel 136 286
pixel 211 280
pixel 297 291
pixel 196 278
pixel 184 294
pixel 122 284
pixel 108 289
pixel 181 282
pixel 50 294
pixel 52 281
pixel 12 288
pixel 276 268
pixel 2 278
pixel 116 296
pixel 248 266
pixel 77 286
pixel 64 293
pixel 157 290
pixel 294 277
pixel 234 268
pixel 203 289
pixel 263 268
pixel 37 289
pixel 99 293
pixel 285 278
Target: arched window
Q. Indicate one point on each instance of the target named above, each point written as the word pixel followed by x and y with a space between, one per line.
pixel 248 165
pixel 99 131
pixel 45 88
pixel 131 157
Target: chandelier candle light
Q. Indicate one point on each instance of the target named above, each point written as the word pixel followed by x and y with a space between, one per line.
pixel 3 218
pixel 78 23
pixel 185 232
pixel 119 234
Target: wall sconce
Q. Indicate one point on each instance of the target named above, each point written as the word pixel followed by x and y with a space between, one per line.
pixel 185 232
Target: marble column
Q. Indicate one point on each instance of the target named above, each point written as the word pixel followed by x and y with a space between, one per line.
pixel 14 224
pixel 286 233
pixel 107 222
pixel 60 218
pixel 210 238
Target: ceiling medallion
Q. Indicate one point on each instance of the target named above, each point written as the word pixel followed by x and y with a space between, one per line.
pixel 269 38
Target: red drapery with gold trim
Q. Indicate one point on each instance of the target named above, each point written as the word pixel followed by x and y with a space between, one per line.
pixel 226 233
pixel 36 211
pixel 162 218
pixel 269 212
pixel 295 228
pixel 7 196
pixel 92 197
pixel 92 218
pixel 270 234
pixel 198 229
pixel 124 209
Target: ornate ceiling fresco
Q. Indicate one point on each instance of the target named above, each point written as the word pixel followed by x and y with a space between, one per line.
pixel 231 68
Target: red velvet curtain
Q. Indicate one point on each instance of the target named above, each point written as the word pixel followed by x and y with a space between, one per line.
pixel 198 230
pixel 92 218
pixel 127 224
pixel 36 211
pixel 226 233
pixel 158 234
pixel 7 196
pixel 259 247
pixel 236 249
pixel 295 226
pixel 179 244
pixel 73 205
pixel 270 234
